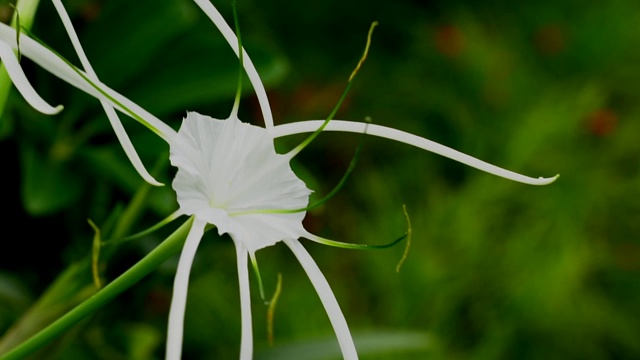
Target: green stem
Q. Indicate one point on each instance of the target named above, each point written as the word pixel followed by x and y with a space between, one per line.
pixel 27 10
pixel 169 247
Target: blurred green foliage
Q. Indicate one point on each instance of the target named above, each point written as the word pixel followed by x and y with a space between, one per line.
pixel 497 270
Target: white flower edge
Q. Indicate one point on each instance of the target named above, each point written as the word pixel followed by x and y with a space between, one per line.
pixel 407 138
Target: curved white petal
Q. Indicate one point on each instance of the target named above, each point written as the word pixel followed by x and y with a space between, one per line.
pixel 127 146
pixel 121 134
pixel 68 26
pixel 180 287
pixel 407 138
pixel 10 61
pixel 328 299
pixel 251 71
pixel 246 339
pixel 51 62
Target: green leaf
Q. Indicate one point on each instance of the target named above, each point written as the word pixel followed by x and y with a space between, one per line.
pixel 47 184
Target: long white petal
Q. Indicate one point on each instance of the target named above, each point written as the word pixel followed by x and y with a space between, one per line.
pixel 251 71
pixel 328 299
pixel 246 342
pixel 180 287
pixel 121 134
pixel 10 61
pixel 56 66
pixel 407 138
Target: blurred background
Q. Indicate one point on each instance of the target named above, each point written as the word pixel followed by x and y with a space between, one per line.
pixel 496 269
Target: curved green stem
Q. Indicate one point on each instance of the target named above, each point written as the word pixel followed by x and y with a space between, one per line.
pixel 169 247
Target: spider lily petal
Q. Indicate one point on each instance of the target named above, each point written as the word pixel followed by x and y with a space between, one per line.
pixel 59 67
pixel 180 286
pixel 10 61
pixel 246 338
pixel 121 134
pixel 407 138
pixel 326 297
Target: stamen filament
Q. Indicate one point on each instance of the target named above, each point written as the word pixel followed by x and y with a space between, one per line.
pixel 366 51
pixel 409 233
pixel 145 232
pixel 95 254
pixel 236 103
pixel 351 246
pixel 18 28
pixel 256 270
pixel 215 16
pixel 272 308
pixel 315 134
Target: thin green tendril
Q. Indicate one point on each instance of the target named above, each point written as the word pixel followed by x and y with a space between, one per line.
pixel 236 103
pixel 95 254
pixel 409 233
pixel 256 270
pixel 315 134
pixel 351 246
pixel 142 233
pixel 366 50
pixel 18 29
pixel 272 308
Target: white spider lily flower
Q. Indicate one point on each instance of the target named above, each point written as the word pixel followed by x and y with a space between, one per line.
pixel 234 225
pixel 229 174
